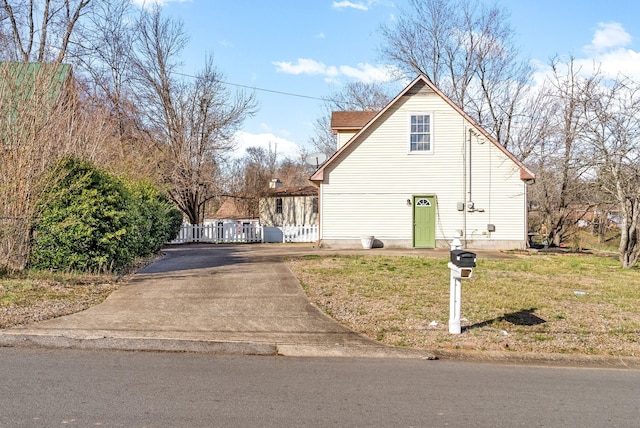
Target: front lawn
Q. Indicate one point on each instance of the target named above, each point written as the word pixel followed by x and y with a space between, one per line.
pixel 39 295
pixel 558 303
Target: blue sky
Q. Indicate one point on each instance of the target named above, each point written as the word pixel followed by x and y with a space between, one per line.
pixel 313 47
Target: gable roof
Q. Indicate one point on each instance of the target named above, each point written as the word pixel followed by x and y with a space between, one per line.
pixel 233 210
pixel 293 191
pixel 350 120
pixel 525 173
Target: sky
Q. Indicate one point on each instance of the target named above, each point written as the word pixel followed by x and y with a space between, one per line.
pixel 294 53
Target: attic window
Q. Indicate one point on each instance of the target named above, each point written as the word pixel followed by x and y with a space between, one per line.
pixel 420 133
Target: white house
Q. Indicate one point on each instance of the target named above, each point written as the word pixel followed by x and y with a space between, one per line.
pixel 289 205
pixel 417 173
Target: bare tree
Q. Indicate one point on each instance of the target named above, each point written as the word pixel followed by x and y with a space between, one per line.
pixel 192 121
pixel 612 129
pixel 323 140
pixel 106 58
pixel 354 96
pixel 360 96
pixel 531 126
pixel 295 172
pixel 563 181
pixel 42 122
pixel 249 178
pixel 40 31
pixel 422 39
pixel 250 175
pixel 467 50
pixel 105 61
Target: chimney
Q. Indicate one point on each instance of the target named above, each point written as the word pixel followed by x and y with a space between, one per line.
pixel 275 183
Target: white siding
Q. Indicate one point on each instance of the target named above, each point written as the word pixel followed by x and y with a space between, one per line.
pixel 296 210
pixel 365 192
pixel 343 137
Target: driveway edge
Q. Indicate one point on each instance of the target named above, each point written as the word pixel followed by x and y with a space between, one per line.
pixel 138 344
pixel 208 347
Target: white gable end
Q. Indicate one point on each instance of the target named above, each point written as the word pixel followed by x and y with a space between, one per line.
pixel 371 185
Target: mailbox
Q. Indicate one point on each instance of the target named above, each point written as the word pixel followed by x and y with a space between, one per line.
pixel 463 259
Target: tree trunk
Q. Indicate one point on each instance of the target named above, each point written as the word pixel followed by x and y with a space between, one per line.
pixel 630 234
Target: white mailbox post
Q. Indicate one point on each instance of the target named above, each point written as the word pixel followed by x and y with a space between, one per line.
pixel 461 266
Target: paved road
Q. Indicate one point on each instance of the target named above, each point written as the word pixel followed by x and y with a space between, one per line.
pixel 45 388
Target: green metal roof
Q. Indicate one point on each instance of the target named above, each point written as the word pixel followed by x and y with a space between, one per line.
pixel 22 79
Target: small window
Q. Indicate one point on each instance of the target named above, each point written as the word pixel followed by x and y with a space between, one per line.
pixel 314 204
pixel 278 205
pixel 420 133
pixel 423 203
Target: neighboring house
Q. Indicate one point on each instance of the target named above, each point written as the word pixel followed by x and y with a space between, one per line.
pixel 418 173
pixel 40 87
pixel 234 209
pixel 232 222
pixel 31 96
pixel 295 205
pixel 607 217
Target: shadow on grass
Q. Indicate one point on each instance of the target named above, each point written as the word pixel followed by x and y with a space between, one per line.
pixel 523 317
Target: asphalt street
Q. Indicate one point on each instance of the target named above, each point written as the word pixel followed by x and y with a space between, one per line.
pixel 44 388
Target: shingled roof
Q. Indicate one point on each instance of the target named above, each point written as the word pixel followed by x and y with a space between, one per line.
pixel 232 209
pixel 294 191
pixel 350 120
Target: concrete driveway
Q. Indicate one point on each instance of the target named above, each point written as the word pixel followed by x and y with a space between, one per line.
pixel 232 299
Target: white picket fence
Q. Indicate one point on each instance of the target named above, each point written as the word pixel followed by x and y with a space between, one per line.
pixel 290 233
pixel 219 232
pixel 304 233
pixel 235 232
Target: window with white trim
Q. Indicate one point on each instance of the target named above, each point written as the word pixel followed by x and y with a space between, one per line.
pixel 420 133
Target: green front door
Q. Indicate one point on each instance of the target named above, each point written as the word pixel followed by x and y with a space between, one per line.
pixel 424 221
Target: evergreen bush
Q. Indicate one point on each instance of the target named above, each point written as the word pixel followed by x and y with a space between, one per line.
pixel 90 220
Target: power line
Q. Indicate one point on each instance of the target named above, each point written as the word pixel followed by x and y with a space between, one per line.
pixel 255 88
pixel 290 94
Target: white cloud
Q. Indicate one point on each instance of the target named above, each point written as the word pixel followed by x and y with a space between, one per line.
pixel 349 4
pixel 304 66
pixel 608 35
pixel 368 73
pixel 614 63
pixel 542 71
pixel 363 72
pixel 150 3
pixel 606 54
pixel 283 147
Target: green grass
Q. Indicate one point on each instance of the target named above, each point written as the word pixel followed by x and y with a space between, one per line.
pixel 37 295
pixel 536 303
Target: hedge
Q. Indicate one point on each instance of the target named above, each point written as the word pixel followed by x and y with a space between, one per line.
pixel 90 220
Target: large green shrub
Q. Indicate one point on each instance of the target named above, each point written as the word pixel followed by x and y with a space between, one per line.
pixel 90 220
pixel 156 219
